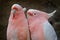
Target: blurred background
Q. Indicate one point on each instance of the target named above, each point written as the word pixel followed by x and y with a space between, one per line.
pixel 43 5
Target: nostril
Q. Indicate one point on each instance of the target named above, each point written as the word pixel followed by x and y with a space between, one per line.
pixel 15 8
pixel 30 14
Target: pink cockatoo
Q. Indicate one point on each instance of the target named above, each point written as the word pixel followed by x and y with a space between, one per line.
pixel 39 26
pixel 17 24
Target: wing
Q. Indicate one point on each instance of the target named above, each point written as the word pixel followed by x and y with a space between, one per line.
pixel 49 32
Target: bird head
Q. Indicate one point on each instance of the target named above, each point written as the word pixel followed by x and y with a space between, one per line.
pixel 36 13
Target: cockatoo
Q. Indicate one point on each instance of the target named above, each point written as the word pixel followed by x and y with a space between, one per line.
pixel 39 26
pixel 17 25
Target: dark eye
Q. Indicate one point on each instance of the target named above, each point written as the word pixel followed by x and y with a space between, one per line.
pixel 13 11
pixel 34 14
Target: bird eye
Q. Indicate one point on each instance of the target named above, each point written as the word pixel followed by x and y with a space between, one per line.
pixel 34 14
pixel 13 11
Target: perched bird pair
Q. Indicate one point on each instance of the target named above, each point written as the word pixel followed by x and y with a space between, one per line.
pixel 34 27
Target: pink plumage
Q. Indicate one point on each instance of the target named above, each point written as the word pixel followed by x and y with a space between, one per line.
pixel 17 24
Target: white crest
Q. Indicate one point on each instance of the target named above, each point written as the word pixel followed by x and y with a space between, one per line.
pixel 24 9
pixel 51 14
